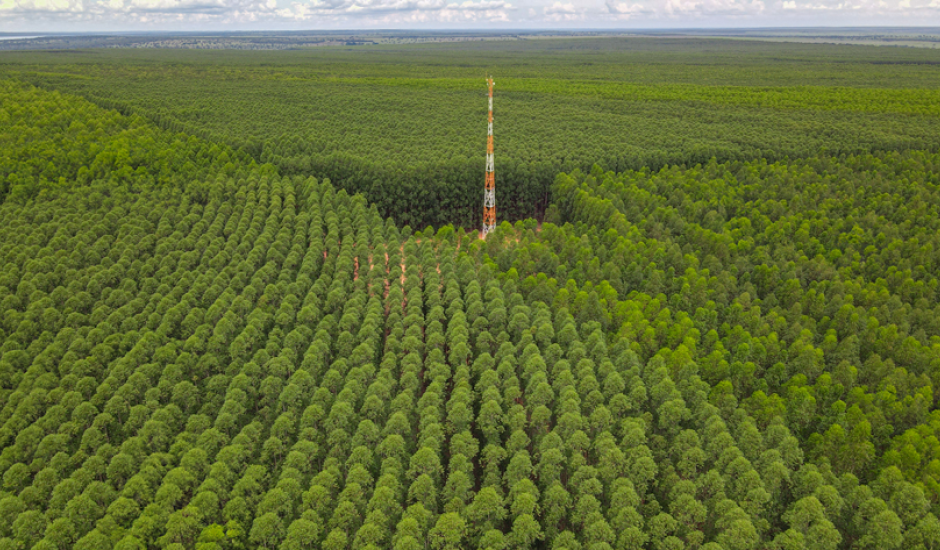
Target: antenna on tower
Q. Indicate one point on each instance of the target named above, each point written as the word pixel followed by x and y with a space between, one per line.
pixel 489 189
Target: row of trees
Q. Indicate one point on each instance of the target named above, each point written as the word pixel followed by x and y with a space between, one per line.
pixel 53 140
pixel 697 360
pixel 347 400
pixel 408 131
pixel 812 294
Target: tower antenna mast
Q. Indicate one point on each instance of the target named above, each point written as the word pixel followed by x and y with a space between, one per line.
pixel 489 190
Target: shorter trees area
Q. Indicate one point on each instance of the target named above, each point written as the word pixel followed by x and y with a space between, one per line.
pixel 405 125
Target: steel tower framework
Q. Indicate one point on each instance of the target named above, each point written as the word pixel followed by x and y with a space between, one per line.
pixel 489 190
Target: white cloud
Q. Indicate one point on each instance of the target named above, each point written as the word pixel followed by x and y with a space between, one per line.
pixel 559 12
pixel 396 11
pixel 623 10
pixel 225 13
pixel 713 8
pixel 487 14
pixel 46 7
pixel 558 7
pixel 413 10
pixel 912 10
pixel 177 6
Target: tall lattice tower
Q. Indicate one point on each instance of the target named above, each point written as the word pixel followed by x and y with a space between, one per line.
pixel 489 190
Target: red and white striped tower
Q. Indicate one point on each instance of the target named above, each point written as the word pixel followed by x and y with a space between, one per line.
pixel 489 191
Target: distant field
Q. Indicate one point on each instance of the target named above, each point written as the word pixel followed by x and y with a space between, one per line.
pixel 932 43
pixel 909 37
pixel 406 124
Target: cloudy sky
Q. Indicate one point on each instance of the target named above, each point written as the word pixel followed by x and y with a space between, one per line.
pixel 119 15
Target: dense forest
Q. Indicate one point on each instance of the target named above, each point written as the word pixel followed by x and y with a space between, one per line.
pixel 406 126
pixel 203 346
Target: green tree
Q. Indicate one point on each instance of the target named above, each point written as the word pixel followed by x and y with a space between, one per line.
pixel 487 511
pixel 448 533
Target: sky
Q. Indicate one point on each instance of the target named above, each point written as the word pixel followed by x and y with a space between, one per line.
pixel 225 15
